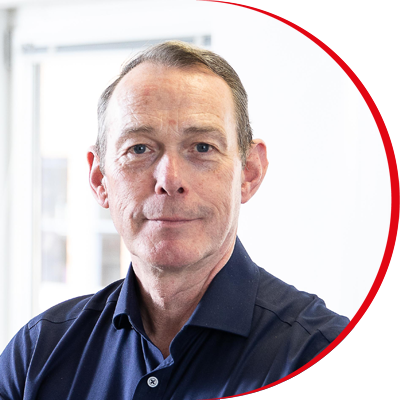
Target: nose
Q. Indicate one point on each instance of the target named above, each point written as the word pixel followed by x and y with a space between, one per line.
pixel 169 176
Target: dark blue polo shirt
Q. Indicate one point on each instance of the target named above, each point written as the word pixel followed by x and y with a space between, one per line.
pixel 249 329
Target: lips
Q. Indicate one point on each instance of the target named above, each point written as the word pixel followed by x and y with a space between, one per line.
pixel 172 212
pixel 172 220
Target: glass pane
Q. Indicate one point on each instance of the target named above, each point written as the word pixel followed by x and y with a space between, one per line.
pixel 54 207
pixel 54 256
pixel 54 188
pixel 110 258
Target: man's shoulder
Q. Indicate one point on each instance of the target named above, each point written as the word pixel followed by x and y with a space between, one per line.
pixel 295 307
pixel 64 327
pixel 71 309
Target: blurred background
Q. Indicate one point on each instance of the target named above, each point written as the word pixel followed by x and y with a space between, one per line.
pixel 320 220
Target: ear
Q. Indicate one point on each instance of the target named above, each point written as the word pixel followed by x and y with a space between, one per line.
pixel 96 178
pixel 255 169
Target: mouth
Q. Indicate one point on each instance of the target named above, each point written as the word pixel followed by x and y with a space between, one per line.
pixel 171 221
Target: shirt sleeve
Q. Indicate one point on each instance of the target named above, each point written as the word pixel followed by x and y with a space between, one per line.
pixel 314 329
pixel 14 364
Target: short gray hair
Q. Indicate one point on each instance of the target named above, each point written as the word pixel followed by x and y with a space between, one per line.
pixel 181 55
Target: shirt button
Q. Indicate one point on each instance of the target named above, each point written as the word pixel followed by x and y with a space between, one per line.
pixel 152 381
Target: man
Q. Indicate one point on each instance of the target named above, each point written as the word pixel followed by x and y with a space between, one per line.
pixel 194 318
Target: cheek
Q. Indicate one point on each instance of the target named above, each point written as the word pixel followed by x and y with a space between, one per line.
pixel 224 191
pixel 126 195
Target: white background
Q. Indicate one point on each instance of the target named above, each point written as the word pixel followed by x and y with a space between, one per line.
pixel 366 37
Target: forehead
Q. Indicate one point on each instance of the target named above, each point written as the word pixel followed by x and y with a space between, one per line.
pixel 152 90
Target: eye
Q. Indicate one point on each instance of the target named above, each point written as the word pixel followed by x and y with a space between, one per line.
pixel 202 147
pixel 139 148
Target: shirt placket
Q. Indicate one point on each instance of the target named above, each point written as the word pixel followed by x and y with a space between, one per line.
pixel 153 385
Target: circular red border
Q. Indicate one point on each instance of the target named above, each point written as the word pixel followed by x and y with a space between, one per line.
pixel 394 184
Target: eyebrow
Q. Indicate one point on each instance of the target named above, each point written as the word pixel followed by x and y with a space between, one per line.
pixel 215 132
pixel 132 131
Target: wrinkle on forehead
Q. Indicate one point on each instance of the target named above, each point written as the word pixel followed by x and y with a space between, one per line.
pixel 161 97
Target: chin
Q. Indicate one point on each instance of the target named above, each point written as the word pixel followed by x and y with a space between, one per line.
pixel 173 254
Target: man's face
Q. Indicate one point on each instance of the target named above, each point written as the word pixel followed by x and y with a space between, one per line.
pixel 172 168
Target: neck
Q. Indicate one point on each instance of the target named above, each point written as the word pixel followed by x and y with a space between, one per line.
pixel 168 299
